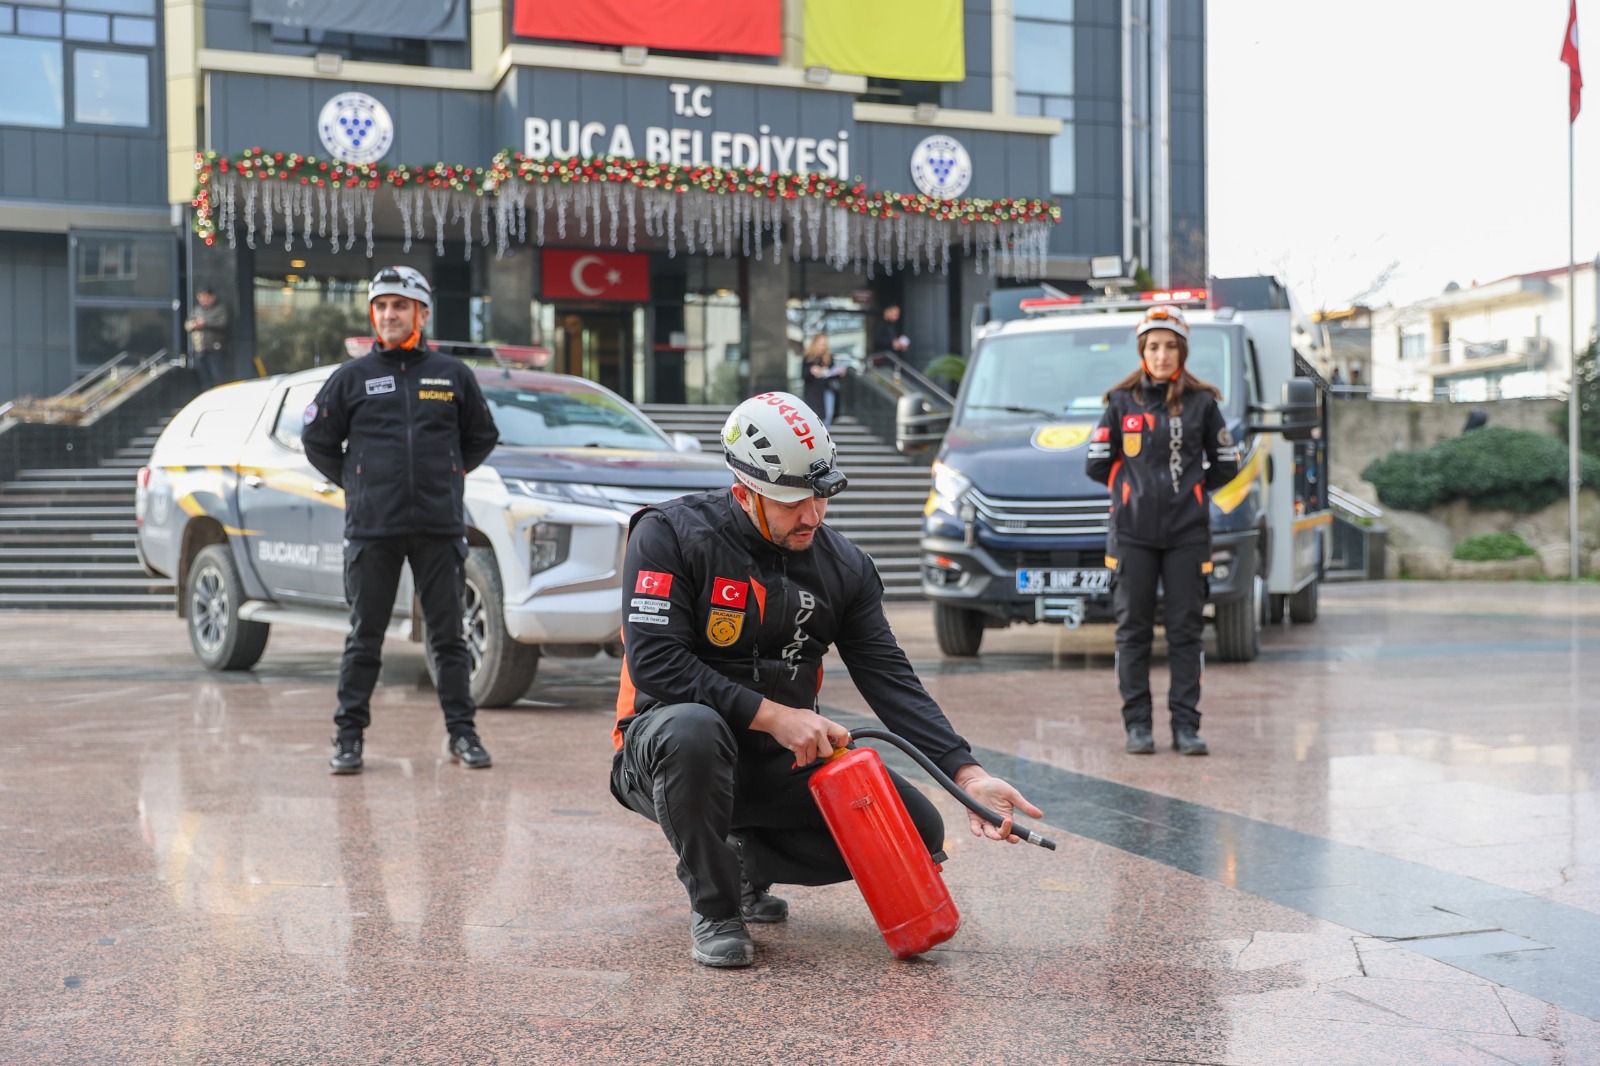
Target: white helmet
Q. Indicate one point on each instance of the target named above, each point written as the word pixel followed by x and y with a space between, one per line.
pixel 1164 316
pixel 778 447
pixel 401 281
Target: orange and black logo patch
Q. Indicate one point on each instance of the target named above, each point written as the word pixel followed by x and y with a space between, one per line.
pixel 724 626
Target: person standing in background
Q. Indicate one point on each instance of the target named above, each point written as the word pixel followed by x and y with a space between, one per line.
pixel 1161 447
pixel 208 337
pixel 399 429
pixel 822 378
pixel 887 336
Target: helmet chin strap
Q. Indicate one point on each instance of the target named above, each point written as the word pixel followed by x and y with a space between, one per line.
pixel 1176 374
pixel 761 516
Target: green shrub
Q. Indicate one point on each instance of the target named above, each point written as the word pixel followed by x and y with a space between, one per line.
pixel 948 370
pixel 1493 547
pixel 1492 469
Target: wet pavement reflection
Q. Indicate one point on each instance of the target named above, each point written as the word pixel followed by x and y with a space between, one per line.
pixel 1390 857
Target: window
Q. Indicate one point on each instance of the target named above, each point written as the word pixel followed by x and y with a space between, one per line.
pixel 1046 79
pixel 292 416
pixel 110 88
pixel 1411 345
pixel 31 90
pixel 49 81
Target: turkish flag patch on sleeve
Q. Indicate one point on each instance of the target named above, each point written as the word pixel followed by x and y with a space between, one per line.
pixel 1132 424
pixel 728 593
pixel 653 583
pixel 1101 435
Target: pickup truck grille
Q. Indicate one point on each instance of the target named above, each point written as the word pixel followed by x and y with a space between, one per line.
pixel 1042 518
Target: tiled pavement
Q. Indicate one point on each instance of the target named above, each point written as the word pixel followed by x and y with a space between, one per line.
pixel 1392 856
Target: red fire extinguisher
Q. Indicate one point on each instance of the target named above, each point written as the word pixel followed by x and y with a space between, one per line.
pixel 887 858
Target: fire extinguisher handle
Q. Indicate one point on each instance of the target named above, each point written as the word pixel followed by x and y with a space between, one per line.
pixel 1017 828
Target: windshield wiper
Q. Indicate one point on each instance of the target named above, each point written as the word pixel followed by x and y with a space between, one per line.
pixel 1015 410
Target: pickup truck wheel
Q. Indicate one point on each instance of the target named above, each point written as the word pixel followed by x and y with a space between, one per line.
pixel 959 632
pixel 1239 623
pixel 221 639
pixel 1303 604
pixel 502 668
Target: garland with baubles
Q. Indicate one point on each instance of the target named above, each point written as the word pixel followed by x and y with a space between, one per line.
pixel 288 183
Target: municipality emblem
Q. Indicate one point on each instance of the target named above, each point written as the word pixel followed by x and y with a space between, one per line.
pixel 355 128
pixel 941 167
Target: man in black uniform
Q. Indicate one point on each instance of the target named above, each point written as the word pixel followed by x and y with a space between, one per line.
pixel 731 599
pixel 398 430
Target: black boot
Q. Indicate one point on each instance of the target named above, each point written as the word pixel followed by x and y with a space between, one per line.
pixel 346 755
pixel 725 944
pixel 1188 742
pixel 468 751
pixel 755 902
pixel 1140 740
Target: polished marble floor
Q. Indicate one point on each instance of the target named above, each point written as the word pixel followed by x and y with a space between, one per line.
pixel 1391 856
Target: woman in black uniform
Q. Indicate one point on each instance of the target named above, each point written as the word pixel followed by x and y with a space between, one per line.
pixel 1161 448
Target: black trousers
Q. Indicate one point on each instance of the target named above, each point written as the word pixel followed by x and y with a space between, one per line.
pixel 209 363
pixel 371 579
pixel 1184 588
pixel 682 768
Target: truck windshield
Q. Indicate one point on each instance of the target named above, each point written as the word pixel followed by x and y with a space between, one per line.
pixel 556 418
pixel 1065 373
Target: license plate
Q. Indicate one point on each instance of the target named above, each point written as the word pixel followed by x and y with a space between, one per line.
pixel 1037 582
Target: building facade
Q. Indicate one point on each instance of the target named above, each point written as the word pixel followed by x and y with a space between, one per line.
pixel 579 180
pixel 1503 340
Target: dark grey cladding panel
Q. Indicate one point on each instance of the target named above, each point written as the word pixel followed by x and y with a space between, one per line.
pixel 280 114
pixel 16 164
pixel 1003 164
pixel 1188 18
pixel 228 25
pixel 1090 225
pixel 87 165
pixel 1097 62
pixel 81 166
pixel 49 157
pixel 978 27
pixel 1098 13
pixel 972 94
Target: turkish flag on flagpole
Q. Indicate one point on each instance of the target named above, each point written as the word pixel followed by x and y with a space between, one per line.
pixel 1569 56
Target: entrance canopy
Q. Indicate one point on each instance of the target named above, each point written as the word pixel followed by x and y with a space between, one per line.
pixel 704 210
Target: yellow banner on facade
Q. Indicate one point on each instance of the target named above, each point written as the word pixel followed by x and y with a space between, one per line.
pixel 912 40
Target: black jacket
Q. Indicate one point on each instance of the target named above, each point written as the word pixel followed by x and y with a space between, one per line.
pixel 716 614
pixel 1155 466
pixel 398 431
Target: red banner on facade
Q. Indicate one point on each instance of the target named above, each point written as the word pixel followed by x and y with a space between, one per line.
pixel 749 27
pixel 575 274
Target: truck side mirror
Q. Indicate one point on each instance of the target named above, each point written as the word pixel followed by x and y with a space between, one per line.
pixel 1298 415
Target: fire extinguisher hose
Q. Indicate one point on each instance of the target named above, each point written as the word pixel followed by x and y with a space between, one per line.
pixel 954 789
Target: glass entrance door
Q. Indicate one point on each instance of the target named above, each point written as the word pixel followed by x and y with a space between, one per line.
pixel 596 345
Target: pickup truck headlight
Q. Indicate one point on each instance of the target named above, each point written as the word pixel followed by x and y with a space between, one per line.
pixel 564 491
pixel 949 485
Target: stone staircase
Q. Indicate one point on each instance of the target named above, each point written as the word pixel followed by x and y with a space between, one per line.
pixel 881 510
pixel 67 535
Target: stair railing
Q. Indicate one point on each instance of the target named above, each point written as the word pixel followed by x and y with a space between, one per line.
pixel 88 394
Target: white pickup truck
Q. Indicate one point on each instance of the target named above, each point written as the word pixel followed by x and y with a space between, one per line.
pixel 253 536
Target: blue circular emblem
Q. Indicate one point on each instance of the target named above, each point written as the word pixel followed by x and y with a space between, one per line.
pixel 355 128
pixel 941 167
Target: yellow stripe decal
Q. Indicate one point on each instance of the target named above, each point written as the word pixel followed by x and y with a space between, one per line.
pixel 1322 519
pixel 1231 495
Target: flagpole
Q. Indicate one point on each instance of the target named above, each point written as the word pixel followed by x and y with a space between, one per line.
pixel 1572 354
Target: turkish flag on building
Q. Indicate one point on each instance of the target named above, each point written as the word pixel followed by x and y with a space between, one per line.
pixel 573 274
pixel 1569 56
pixel 749 27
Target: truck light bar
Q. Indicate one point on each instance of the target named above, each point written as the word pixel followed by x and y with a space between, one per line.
pixel 1182 297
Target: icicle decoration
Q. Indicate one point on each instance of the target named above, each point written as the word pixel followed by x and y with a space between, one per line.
pixel 243 205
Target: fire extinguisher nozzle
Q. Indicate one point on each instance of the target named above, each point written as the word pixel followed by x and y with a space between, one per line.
pixel 1034 838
